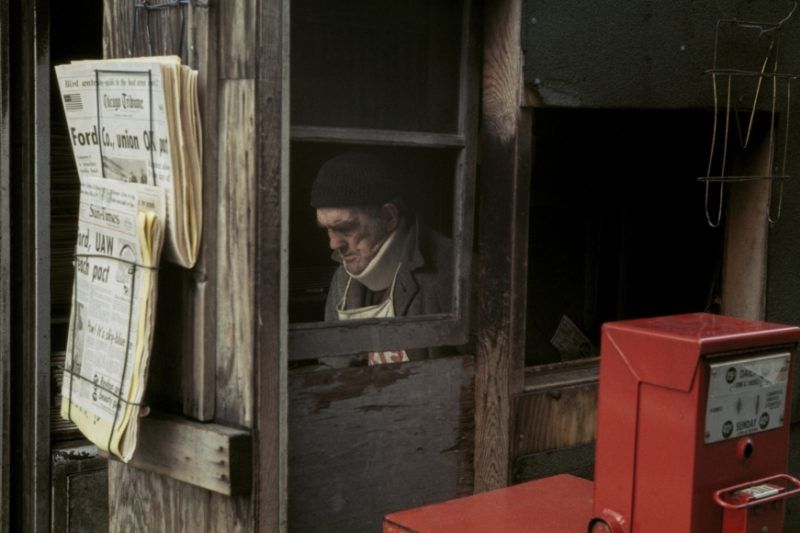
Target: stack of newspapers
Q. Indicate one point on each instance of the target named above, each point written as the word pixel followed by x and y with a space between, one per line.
pixel 135 132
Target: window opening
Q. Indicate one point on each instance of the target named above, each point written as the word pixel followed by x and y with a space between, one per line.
pixel 618 232
pixel 396 81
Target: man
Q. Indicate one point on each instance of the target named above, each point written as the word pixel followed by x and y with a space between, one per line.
pixel 391 264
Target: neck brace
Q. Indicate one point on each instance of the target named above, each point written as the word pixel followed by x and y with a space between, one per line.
pixel 380 271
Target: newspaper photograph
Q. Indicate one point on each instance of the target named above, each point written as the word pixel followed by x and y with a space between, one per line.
pixel 120 235
pixel 137 121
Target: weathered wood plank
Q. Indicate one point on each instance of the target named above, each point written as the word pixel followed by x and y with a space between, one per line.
pixel 313 339
pixel 271 254
pixel 167 504
pixel 145 501
pixel 502 242
pixel 190 292
pixel 235 252
pixel 560 417
pixel 199 360
pixel 220 449
pixel 367 441
pixel 235 172
pixel 744 268
pixel 210 456
pixel 158 32
pixel 238 35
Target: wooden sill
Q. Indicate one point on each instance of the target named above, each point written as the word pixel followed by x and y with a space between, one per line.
pixel 207 455
pixel 565 374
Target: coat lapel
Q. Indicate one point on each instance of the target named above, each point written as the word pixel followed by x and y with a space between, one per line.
pixel 404 291
pixel 407 287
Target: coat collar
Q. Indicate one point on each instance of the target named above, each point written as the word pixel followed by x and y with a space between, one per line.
pixel 407 286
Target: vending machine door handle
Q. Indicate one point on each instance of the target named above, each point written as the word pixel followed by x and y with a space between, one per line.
pixel 757 492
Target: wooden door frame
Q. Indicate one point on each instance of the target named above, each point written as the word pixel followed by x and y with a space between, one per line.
pixel 271 204
pixel 504 197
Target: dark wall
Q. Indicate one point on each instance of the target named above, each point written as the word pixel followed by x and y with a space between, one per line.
pixel 647 54
pixel 644 53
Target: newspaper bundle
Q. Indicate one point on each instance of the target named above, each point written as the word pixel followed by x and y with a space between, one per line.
pixel 137 120
pixel 120 235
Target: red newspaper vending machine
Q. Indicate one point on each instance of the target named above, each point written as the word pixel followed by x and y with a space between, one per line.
pixel 693 425
pixel 693 437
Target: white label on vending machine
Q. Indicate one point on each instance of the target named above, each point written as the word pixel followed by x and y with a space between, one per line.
pixel 746 396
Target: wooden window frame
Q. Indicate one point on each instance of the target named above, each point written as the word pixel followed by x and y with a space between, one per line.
pixel 315 339
pixel 5 269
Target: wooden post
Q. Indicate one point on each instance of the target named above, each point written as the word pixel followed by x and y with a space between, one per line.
pixel 502 242
pixel 272 246
pixel 198 370
pixel 224 332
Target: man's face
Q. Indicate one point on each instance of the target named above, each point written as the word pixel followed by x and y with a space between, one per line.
pixel 353 234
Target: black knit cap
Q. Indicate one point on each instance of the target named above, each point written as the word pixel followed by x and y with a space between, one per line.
pixel 354 178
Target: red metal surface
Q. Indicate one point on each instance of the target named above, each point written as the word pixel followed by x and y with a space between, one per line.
pixel 666 350
pixel 652 468
pixel 560 504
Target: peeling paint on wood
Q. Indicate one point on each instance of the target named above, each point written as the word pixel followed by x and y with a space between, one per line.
pixel 371 440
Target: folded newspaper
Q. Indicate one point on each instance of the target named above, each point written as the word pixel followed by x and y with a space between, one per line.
pixel 120 235
pixel 137 120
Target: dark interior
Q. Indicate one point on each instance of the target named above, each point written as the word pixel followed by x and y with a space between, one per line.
pixel 376 64
pixel 367 65
pixel 617 227
pixel 428 178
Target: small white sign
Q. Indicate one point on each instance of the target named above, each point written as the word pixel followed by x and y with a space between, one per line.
pixel 759 492
pixel 746 396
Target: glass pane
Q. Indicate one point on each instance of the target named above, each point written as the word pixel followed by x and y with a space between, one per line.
pixel 426 186
pixel 378 64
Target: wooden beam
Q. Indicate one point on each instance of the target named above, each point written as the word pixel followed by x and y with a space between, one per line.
pixel 235 244
pixel 314 339
pixel 271 204
pixel 238 17
pixel 209 456
pixel 377 137
pixel 503 189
